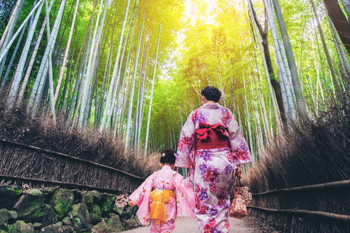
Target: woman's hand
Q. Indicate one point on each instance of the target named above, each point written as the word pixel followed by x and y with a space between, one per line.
pixel 238 171
pixel 131 203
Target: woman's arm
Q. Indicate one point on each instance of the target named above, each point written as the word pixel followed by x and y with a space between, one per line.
pixel 238 144
pixel 185 144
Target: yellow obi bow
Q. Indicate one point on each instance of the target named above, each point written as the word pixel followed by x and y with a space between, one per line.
pixel 159 198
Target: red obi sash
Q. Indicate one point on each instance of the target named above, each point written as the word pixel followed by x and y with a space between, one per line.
pixel 212 136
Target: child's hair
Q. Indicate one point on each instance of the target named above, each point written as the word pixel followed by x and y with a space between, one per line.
pixel 167 156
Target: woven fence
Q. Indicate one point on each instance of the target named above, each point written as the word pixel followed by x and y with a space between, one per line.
pixel 23 163
pixel 302 184
pixel 39 153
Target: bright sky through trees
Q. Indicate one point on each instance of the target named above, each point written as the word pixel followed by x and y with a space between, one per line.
pixel 204 13
pixel 135 68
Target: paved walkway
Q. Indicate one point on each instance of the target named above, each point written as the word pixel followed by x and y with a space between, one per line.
pixel 189 225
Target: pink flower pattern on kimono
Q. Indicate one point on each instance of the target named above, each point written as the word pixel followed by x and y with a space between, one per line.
pixel 212 170
pixel 164 227
pixel 167 179
pixel 241 154
pixel 213 188
pixel 211 113
pixel 211 176
pixel 204 155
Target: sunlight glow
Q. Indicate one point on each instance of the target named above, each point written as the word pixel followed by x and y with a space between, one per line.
pixel 203 11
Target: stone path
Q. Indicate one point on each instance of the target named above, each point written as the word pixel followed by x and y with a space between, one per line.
pixel 189 225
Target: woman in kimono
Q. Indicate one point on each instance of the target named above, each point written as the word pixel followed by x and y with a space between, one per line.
pixel 212 146
pixel 157 201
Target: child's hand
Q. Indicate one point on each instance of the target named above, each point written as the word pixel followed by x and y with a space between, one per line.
pixel 131 203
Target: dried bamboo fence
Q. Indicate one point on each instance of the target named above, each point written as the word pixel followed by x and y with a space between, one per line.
pixel 21 163
pixel 303 184
pixel 310 208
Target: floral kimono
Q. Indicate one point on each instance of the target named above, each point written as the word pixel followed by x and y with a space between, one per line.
pixel 168 181
pixel 212 164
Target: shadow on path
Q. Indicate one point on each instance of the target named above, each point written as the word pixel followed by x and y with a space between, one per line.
pixel 189 225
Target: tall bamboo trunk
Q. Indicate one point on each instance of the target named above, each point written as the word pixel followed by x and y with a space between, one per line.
pixel 325 48
pixel 123 109
pixel 248 121
pixel 22 61
pixel 9 41
pixel 77 88
pixel 60 106
pixel 123 71
pixel 272 97
pixel 64 62
pixel 340 22
pixel 284 73
pixel 319 79
pixel 9 66
pixel 142 96
pixel 114 81
pixel 38 89
pixel 346 5
pixel 343 58
pixel 119 101
pixel 265 43
pixel 142 107
pixel 330 97
pixel 7 34
pixel 32 60
pixel 152 89
pixel 136 120
pixel 90 71
pixel 300 101
pixel 132 90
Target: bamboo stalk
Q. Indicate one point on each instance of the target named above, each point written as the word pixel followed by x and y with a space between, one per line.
pixel 340 217
pixel 21 63
pixel 300 101
pixel 13 38
pixel 272 94
pixel 32 60
pixel 335 184
pixel 132 90
pixel 59 154
pixel 152 89
pixel 119 105
pixel 87 83
pixel 65 184
pixel 114 80
pixel 61 73
pixel 7 34
pixel 9 66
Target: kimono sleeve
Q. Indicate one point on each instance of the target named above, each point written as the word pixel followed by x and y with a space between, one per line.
pixel 139 194
pixel 185 196
pixel 239 146
pixel 141 197
pixel 185 144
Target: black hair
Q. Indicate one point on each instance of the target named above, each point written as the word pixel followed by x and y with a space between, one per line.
pixel 211 93
pixel 168 156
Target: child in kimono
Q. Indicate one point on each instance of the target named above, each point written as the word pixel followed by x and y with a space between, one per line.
pixel 158 202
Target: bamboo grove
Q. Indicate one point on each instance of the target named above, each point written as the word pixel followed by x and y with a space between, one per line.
pixel 134 68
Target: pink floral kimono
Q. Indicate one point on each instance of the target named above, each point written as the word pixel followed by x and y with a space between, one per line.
pixel 182 205
pixel 212 169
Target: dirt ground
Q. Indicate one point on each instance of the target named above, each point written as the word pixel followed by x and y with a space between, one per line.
pixel 189 225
